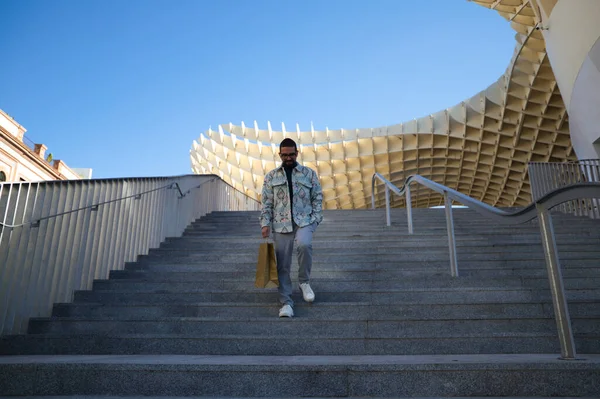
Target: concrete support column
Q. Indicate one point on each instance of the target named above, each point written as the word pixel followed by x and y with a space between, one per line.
pixel 572 33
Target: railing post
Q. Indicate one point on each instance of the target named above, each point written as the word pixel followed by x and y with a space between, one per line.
pixel 373 200
pixel 373 191
pixel 561 310
pixel 387 205
pixel 451 241
pixel 409 210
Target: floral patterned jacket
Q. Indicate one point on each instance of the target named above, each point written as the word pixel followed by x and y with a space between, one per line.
pixel 307 199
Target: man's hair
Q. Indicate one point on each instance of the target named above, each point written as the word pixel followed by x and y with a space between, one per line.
pixel 288 143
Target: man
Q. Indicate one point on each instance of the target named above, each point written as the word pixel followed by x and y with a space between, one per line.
pixel 292 207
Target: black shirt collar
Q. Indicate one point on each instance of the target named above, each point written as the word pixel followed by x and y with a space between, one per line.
pixel 290 167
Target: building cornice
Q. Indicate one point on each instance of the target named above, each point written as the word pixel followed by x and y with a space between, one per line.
pixel 27 152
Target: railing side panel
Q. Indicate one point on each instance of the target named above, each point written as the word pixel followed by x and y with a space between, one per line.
pixel 57 237
pixel 545 177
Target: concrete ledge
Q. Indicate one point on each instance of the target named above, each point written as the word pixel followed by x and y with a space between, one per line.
pixel 247 397
pixel 583 361
pixel 454 375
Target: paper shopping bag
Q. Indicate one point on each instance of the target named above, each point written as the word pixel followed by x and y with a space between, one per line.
pixel 266 267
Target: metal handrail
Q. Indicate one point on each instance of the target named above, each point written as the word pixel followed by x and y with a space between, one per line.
pixel 137 196
pixel 539 209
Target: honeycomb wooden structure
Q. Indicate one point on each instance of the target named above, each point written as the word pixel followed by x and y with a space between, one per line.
pixel 480 147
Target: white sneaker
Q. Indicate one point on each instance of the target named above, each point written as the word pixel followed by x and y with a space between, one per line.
pixel 286 311
pixel 307 292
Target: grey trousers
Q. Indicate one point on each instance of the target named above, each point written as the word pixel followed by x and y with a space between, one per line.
pixel 284 247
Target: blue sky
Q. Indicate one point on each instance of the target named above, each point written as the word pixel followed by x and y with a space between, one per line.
pixel 125 86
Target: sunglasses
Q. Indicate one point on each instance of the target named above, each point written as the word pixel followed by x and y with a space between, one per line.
pixel 290 155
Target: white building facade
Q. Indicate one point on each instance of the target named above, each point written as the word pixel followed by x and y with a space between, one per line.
pixel 22 162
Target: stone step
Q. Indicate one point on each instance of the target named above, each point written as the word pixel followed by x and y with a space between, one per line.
pixel 465 227
pixel 180 344
pixel 359 248
pixel 341 233
pixel 308 327
pixel 336 230
pixel 389 256
pixel 408 296
pixel 208 243
pixel 400 264
pixel 380 217
pixel 323 311
pixel 354 250
pixel 381 213
pixel 175 275
pixel 380 225
pixel 331 284
pixel 507 241
pixel 343 285
pixel 400 226
pixel 198 397
pixel 324 376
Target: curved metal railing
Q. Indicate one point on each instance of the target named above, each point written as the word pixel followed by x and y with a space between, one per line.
pixel 539 209
pixel 550 200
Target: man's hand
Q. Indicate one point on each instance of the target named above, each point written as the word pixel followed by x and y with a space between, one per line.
pixel 266 232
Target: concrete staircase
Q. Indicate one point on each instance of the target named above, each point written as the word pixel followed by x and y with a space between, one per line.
pixel 388 320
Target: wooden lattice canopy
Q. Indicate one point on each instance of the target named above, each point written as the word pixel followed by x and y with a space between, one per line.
pixel 480 147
